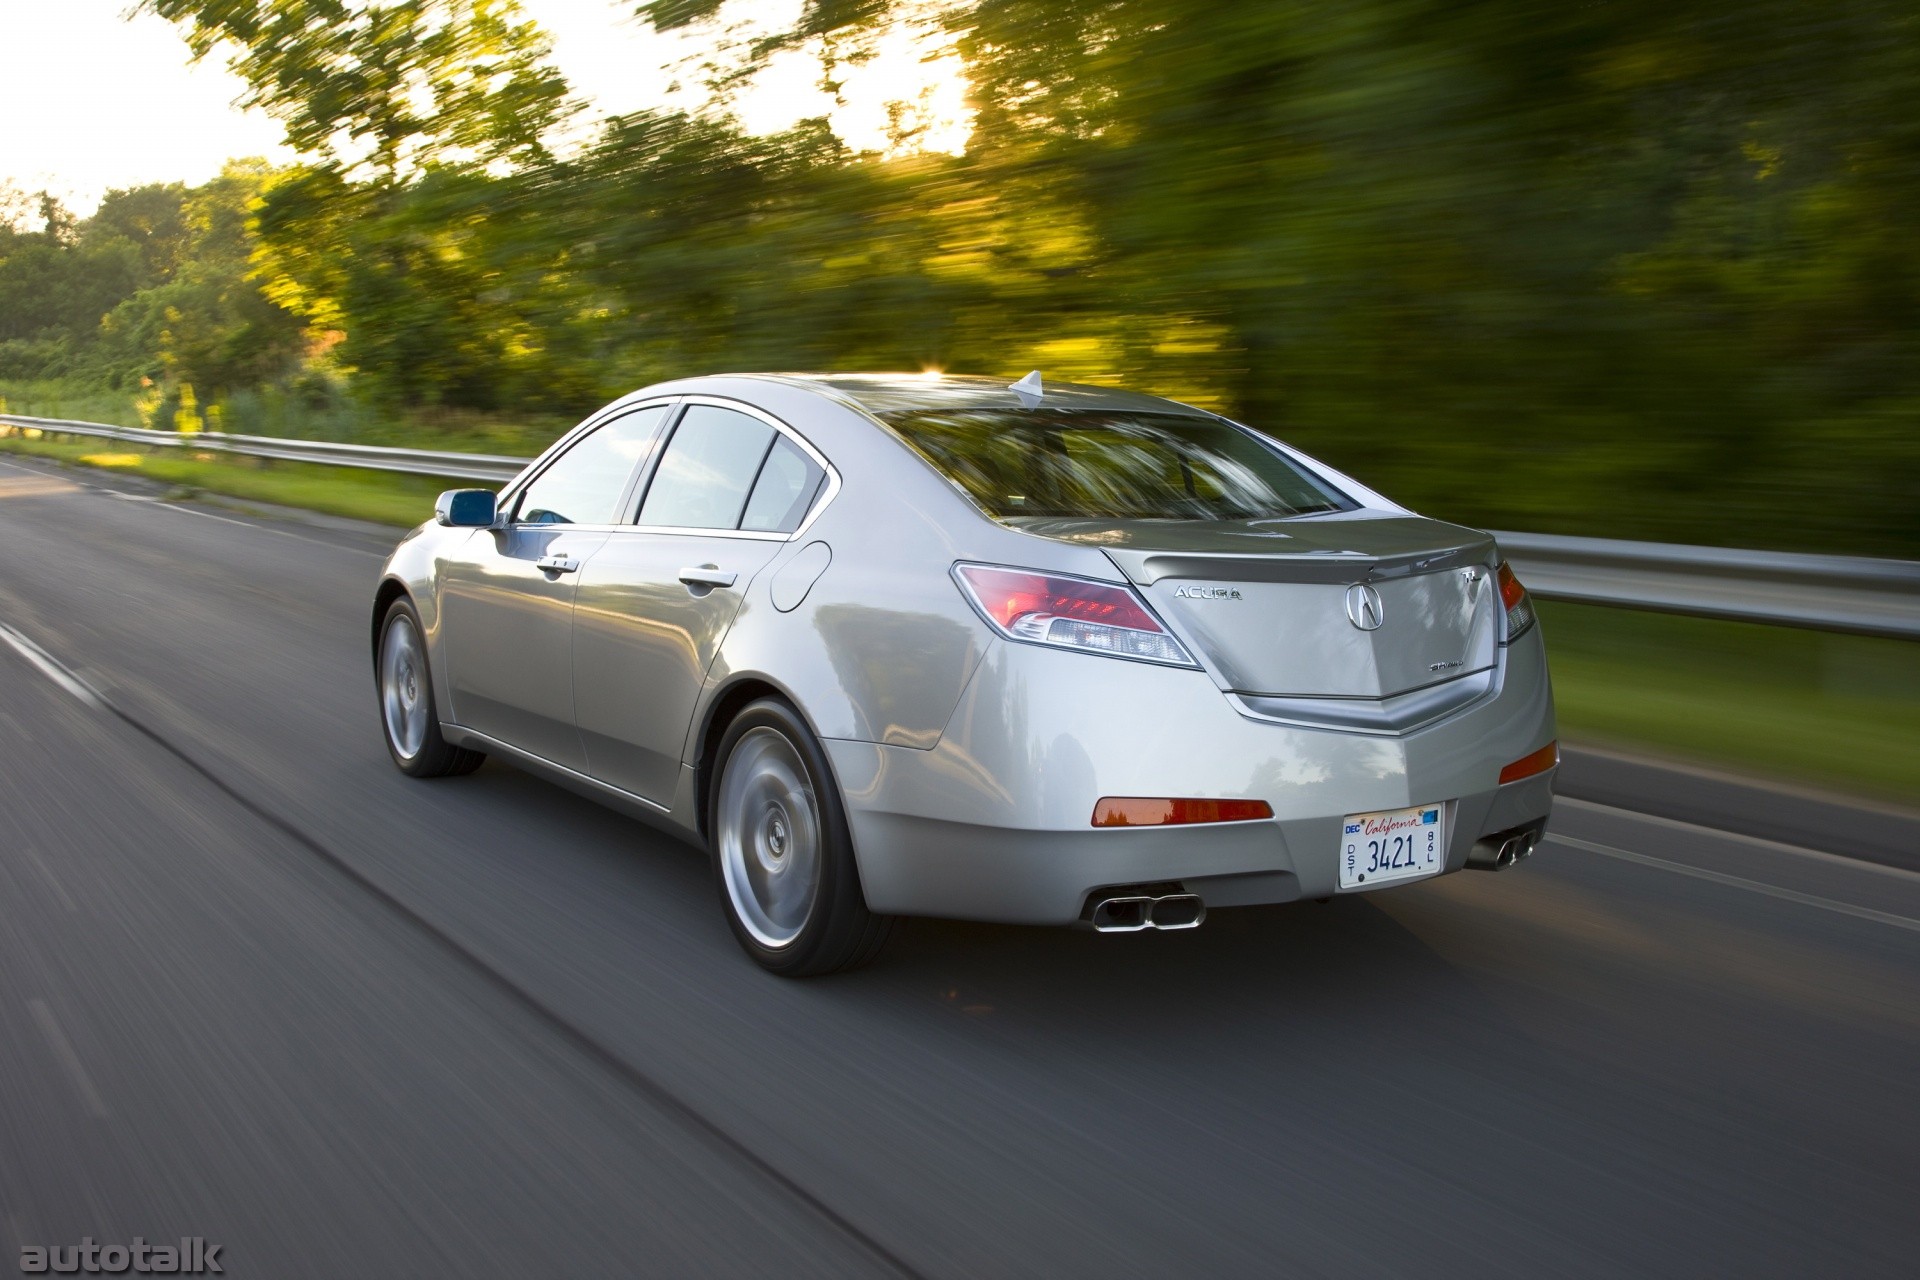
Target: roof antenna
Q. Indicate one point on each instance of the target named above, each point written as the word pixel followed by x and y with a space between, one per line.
pixel 1028 389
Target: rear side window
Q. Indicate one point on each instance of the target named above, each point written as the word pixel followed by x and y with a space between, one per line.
pixel 1053 464
pixel 584 484
pixel 788 481
pixel 708 470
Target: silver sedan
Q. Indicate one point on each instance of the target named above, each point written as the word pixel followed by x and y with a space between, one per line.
pixel 898 645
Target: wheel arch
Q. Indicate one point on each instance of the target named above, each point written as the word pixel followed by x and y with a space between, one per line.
pixel 390 589
pixel 727 702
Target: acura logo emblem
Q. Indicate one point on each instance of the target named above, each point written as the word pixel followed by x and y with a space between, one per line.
pixel 1364 609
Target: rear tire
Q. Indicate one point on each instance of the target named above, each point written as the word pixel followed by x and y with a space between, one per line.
pixel 408 717
pixel 782 855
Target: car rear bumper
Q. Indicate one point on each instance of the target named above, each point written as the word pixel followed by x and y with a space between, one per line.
pixel 994 822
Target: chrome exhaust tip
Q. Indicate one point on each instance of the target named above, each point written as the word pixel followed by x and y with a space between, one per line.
pixel 1130 913
pixel 1178 911
pixel 1122 915
pixel 1504 849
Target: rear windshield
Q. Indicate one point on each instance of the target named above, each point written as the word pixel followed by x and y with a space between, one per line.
pixel 1052 463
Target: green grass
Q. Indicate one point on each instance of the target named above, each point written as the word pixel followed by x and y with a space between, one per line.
pixel 1830 710
pixel 383 497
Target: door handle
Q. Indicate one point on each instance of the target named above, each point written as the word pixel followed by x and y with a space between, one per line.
pixel 707 575
pixel 557 564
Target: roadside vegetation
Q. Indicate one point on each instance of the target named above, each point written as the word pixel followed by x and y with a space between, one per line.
pixel 1631 269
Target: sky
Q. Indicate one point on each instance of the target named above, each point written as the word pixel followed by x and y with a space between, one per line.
pixel 94 100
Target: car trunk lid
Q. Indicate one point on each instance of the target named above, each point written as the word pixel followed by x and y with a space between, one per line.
pixel 1361 605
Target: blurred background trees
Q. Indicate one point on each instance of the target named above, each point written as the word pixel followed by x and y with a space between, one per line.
pixel 1622 268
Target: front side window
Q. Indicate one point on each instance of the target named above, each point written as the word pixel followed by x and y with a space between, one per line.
pixel 584 484
pixel 708 470
pixel 1058 463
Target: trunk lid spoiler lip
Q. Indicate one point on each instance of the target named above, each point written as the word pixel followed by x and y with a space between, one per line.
pixel 1344 547
pixel 1145 567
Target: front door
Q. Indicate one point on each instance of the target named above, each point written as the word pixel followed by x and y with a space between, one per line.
pixel 507 596
pixel 508 611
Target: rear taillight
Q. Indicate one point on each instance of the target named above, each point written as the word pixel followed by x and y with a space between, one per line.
pixel 1514 597
pixel 1070 613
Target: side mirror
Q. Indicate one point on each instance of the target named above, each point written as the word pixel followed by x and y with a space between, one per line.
pixel 465 508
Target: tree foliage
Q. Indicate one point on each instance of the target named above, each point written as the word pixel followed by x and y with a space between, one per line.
pixel 1626 268
pixel 391 86
pixel 156 285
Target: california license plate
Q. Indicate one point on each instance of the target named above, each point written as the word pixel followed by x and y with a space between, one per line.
pixel 1391 846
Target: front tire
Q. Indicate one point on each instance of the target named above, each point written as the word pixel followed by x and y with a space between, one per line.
pixel 781 850
pixel 407 714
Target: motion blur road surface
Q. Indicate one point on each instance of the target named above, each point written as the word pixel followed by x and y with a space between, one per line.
pixel 258 987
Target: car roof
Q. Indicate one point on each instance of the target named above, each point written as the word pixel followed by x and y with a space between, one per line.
pixel 884 393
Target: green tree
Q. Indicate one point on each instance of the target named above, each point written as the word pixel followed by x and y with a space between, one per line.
pixel 153 218
pixel 54 286
pixel 392 87
pixel 207 324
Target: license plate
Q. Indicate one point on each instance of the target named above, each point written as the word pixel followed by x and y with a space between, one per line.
pixel 1391 846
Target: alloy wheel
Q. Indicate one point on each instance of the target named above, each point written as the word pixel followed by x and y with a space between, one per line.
pixel 769 835
pixel 403 688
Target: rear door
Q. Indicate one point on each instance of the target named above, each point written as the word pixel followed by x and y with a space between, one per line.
pixel 507 594
pixel 658 598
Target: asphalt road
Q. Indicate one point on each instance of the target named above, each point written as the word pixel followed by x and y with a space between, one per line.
pixel 255 986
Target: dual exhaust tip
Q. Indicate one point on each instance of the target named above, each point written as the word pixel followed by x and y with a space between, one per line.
pixel 1134 912
pixel 1497 853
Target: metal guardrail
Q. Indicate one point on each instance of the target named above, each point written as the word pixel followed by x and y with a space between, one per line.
pixel 425 462
pixel 1825 593
pixel 1851 594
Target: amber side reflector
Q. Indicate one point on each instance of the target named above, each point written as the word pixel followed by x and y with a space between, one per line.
pixel 1537 762
pixel 1139 811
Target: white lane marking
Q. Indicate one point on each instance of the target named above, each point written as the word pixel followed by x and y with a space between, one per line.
pixel 1707 773
pixel 51 668
pixel 189 511
pixel 244 524
pixel 263 528
pixel 1740 882
pixel 39 864
pixel 1675 824
pixel 63 1050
